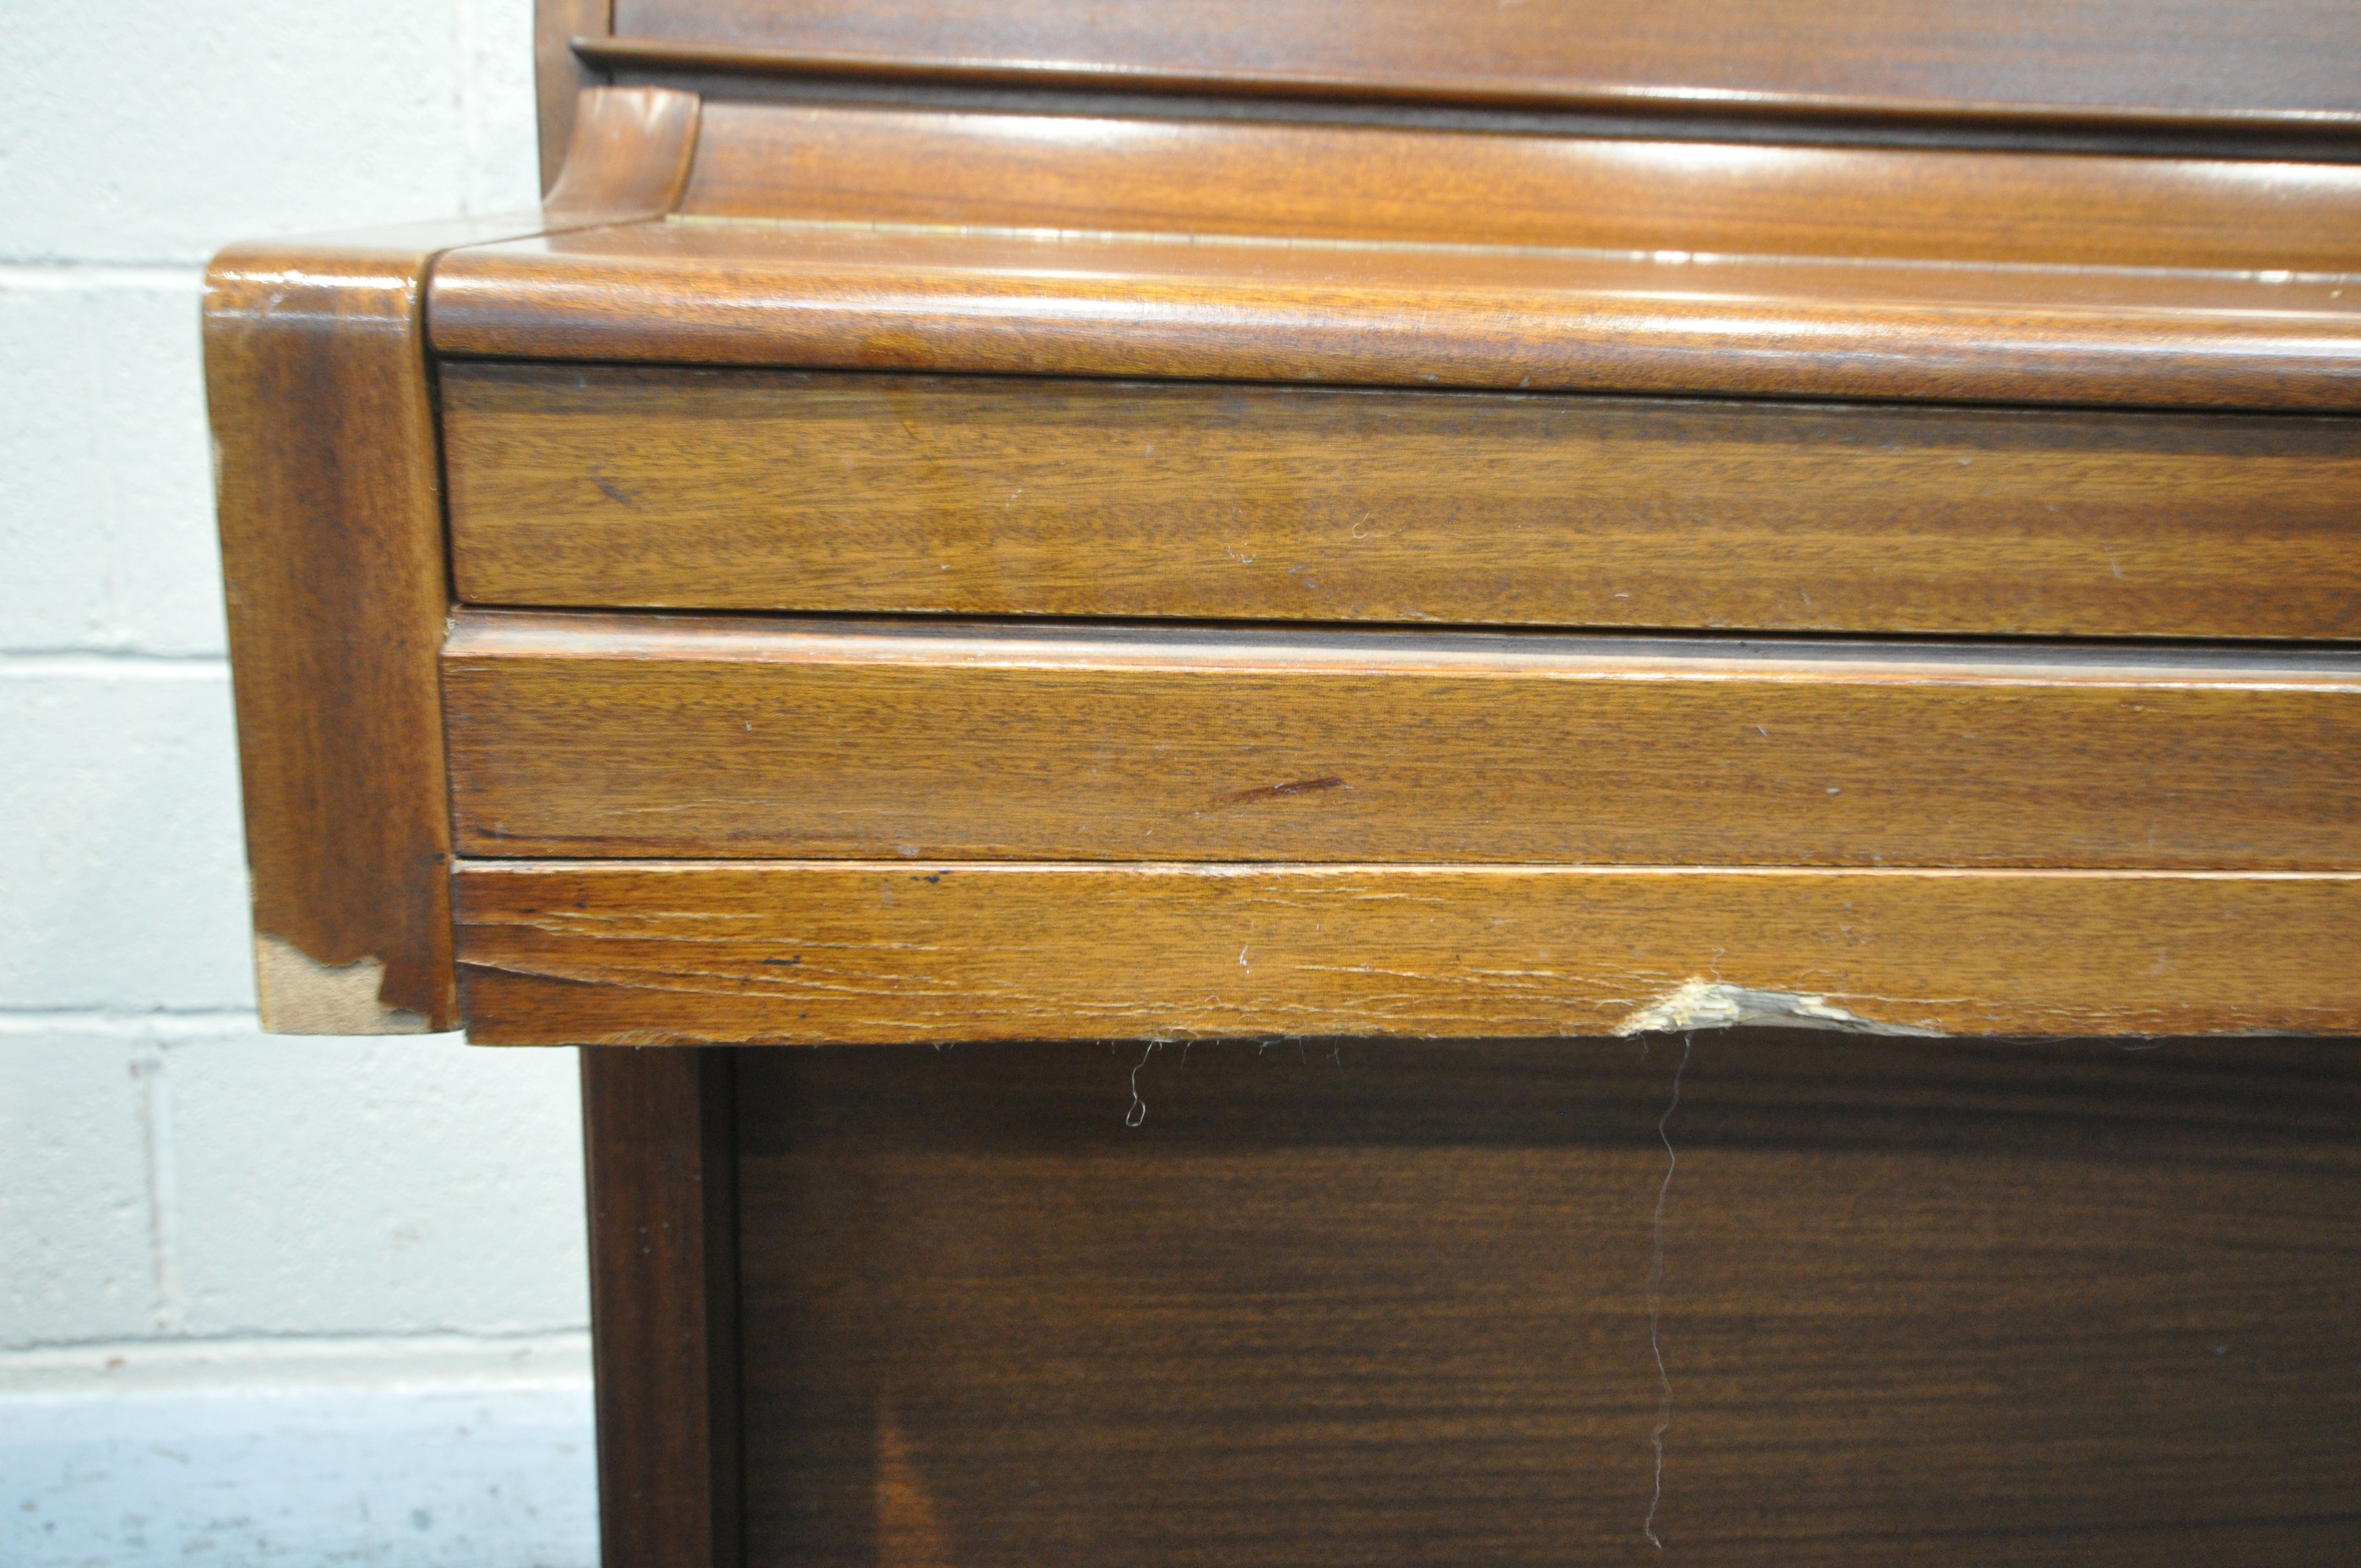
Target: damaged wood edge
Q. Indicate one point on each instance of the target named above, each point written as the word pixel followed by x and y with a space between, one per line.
pixel 300 996
pixel 1711 1005
pixel 861 952
pixel 328 486
pixel 331 527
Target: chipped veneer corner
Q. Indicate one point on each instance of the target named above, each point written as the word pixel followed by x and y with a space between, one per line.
pixel 1711 1005
pixel 300 995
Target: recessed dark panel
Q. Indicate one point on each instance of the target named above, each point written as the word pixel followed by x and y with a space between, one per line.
pixel 1391 1303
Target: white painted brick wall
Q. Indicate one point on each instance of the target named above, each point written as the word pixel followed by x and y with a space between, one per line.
pixel 338 1285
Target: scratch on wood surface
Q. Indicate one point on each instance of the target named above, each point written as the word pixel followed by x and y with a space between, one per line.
pixel 300 995
pixel 1656 1299
pixel 1711 1005
pixel 1281 791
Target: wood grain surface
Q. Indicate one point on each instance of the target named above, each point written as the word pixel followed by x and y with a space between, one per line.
pixel 1369 1303
pixel 590 735
pixel 1062 171
pixel 809 953
pixel 559 74
pixel 659 1144
pixel 739 489
pixel 332 559
pixel 2149 61
pixel 629 156
pixel 328 486
pixel 847 296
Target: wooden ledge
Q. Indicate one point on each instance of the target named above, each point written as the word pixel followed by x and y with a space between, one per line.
pixel 841 296
pixel 842 237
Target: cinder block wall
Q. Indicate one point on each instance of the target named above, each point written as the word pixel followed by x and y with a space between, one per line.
pixel 261 1299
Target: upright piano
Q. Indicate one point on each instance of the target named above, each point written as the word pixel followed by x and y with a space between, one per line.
pixel 1372 782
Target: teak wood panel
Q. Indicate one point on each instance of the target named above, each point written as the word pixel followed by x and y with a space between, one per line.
pixel 333 560
pixel 817 295
pixel 659 1152
pixel 560 74
pixel 1390 1304
pixel 2148 62
pixel 815 953
pixel 1356 182
pixel 750 490
pixel 328 486
pixel 589 735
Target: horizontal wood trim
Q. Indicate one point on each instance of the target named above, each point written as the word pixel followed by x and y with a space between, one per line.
pixel 1357 183
pixel 2328 130
pixel 848 296
pixel 755 490
pixel 2184 57
pixel 809 953
pixel 599 735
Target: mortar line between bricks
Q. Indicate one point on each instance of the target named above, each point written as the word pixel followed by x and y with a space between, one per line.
pixel 68 273
pixel 33 665
pixel 320 1342
pixel 163 1188
pixel 158 1023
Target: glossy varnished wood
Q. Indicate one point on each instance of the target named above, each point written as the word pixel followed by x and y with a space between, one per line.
pixel 1351 182
pixel 809 953
pixel 658 1145
pixel 1380 1303
pixel 1131 1270
pixel 560 74
pixel 332 550
pixel 670 487
pixel 328 482
pixel 840 296
pixel 629 157
pixel 2146 63
pixel 582 735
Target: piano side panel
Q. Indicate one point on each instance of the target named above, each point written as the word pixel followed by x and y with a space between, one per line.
pixel 329 492
pixel 330 503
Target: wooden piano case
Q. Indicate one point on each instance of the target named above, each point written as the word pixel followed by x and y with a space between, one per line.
pixel 1530 785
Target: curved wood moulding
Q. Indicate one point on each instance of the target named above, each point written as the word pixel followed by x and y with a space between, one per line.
pixel 848 238
pixel 560 74
pixel 827 296
pixel 630 156
pixel 1122 174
